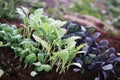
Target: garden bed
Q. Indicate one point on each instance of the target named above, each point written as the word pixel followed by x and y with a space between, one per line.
pixel 16 70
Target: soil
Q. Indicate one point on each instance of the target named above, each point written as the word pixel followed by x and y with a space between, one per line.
pixel 11 22
pixel 14 70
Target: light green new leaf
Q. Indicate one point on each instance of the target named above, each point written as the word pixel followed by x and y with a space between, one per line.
pixel 57 23
pixel 60 32
pixel 80 46
pixel 64 55
pixel 1 43
pixel 39 11
pixel 37 64
pixel 41 41
pixel 25 10
pixel 33 73
pixel 39 68
pixel 47 67
pixel 1 72
pixel 71 44
pixel 21 13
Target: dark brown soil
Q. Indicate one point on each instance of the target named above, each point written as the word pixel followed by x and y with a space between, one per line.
pixel 11 22
pixel 14 70
pixel 114 40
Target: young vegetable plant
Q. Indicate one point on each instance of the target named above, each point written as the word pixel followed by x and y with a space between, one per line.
pixel 96 55
pixel 40 41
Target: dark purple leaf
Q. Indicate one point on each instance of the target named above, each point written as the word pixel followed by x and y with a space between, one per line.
pixel 101 57
pixel 114 73
pixel 112 57
pixel 80 34
pixel 102 63
pixel 117 59
pixel 72 28
pixel 92 56
pixel 78 60
pixel 105 75
pixel 97 78
pixel 107 67
pixel 95 35
pixel 68 35
pixel 90 67
pixel 89 41
pixel 98 64
pixel 93 50
pixel 76 69
pixel 103 43
pixel 110 50
pixel 85 48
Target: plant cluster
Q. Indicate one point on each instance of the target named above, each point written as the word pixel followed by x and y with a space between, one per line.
pixel 39 42
pixel 43 42
pixel 96 56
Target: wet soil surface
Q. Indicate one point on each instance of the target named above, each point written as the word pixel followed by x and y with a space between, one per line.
pixel 14 70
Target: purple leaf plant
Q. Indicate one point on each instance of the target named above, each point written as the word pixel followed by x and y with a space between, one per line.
pixel 98 55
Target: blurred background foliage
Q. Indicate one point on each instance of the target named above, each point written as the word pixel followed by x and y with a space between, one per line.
pixel 107 11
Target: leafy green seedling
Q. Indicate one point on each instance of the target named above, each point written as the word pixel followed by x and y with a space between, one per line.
pixel 1 72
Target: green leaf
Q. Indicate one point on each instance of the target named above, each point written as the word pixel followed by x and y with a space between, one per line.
pixel 1 72
pixel 64 55
pixel 47 67
pixel 31 58
pixel 39 68
pixel 27 43
pixel 2 33
pixel 25 10
pixel 56 23
pixel 37 64
pixel 24 53
pixel 1 43
pixel 77 64
pixel 41 57
pixel 71 44
pixel 39 11
pixel 41 41
pixel 21 13
pixel 80 46
pixel 54 56
pixel 90 29
pixel 33 73
pixel 60 32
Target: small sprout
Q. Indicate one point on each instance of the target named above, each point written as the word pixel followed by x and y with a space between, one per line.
pixel 33 73
pixel 1 72
pixel 1 43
